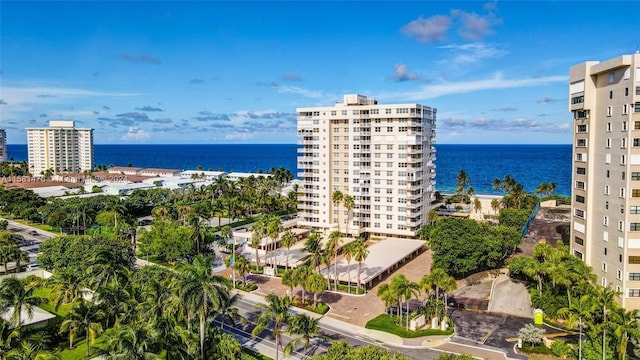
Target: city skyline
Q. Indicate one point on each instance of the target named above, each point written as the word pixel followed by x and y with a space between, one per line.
pixel 234 72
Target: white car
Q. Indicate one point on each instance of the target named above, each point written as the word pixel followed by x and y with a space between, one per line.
pixel 33 266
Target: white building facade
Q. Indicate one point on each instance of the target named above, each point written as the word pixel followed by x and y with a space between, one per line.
pixel 604 98
pixel 380 155
pixel 60 148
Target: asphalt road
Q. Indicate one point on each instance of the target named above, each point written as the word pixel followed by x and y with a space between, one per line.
pixel 327 334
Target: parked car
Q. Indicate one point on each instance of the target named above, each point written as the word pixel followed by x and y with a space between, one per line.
pixel 33 266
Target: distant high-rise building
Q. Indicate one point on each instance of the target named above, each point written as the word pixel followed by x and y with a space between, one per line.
pixel 3 145
pixel 382 156
pixel 59 148
pixel 604 98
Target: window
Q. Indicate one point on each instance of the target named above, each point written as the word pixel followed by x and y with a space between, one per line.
pixel 636 107
pixel 634 260
pixel 619 274
pixel 578 254
pixel 581 142
pixel 607 143
pixel 579 213
pixel 581 171
pixel 624 126
pixel 634 292
pixel 606 205
pixel 579 241
pixel 623 159
pixel 581 128
pixel 634 226
pixel 623 143
pixel 608 127
pixel 634 276
pixel 606 189
pixel 634 210
pixel 625 109
pixel 612 77
pixel 581 157
pixel 580 199
pixel 577 99
pixel 621 193
pixel 635 176
pixel 610 94
pixel 635 193
pixel 620 225
pixel 605 221
pixel 604 267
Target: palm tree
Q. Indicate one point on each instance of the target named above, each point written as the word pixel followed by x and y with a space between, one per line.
pixel 403 288
pixel 17 295
pixel 315 283
pixel 349 204
pixel 626 324
pixel 274 224
pixel 256 241
pixel 288 240
pixel 276 311
pixel 243 266
pixel 432 216
pixel 131 342
pixel 302 273
pixel 495 205
pixel 387 296
pixel 605 298
pixel 462 180
pixel 107 267
pixel 306 328
pixel 228 310
pixel 66 286
pixel 313 246
pixel 82 319
pixel 348 252
pixel 336 197
pixel 199 290
pixel 360 254
pixel 477 204
pixel 578 312
pixel 289 279
pixel 332 246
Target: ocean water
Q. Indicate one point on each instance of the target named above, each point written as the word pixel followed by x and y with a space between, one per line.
pixel 528 164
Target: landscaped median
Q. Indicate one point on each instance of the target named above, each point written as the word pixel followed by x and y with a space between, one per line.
pixel 385 328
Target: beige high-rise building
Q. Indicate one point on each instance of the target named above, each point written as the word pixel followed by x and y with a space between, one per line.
pixel 59 148
pixel 380 155
pixel 604 98
pixel 3 145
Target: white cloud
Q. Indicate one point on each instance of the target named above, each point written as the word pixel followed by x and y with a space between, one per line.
pixel 432 29
pixel 239 136
pixel 135 134
pixel 469 53
pixel 497 81
pixel 300 91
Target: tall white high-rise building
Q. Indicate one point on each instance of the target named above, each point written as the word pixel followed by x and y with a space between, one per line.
pixel 59 148
pixel 3 145
pixel 604 98
pixel 382 156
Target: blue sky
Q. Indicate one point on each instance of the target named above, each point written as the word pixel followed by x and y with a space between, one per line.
pixel 234 72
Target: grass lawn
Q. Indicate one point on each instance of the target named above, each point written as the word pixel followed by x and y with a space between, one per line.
pixel 80 349
pixel 387 323
pixel 45 292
